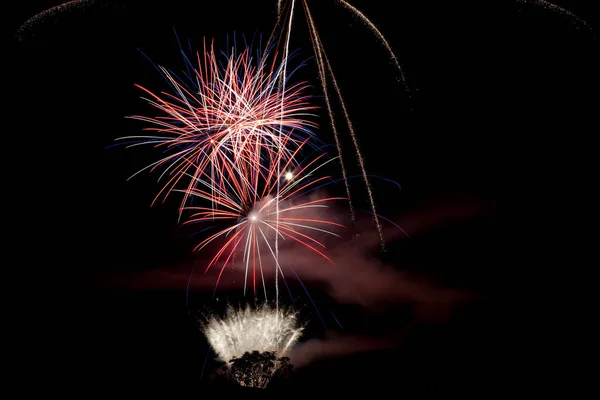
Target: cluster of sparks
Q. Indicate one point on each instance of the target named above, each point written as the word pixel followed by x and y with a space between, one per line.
pixel 233 134
pixel 262 329
pixel 326 71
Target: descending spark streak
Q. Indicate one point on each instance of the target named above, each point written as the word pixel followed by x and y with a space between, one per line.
pixel 379 35
pixel 285 56
pixel 322 55
pixel 257 254
pixel 322 77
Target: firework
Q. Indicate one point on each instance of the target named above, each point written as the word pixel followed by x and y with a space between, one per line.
pixel 258 212
pixel 261 329
pixel 324 67
pixel 225 119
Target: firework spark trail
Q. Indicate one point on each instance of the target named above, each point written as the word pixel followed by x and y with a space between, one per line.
pixel 248 329
pixel 321 55
pixel 285 56
pixel 232 112
pixel 382 38
pixel 269 207
pixel 322 76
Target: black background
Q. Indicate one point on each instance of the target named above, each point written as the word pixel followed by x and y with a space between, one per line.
pixel 500 110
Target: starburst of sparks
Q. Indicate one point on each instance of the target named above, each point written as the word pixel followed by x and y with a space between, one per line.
pixel 261 329
pixel 225 119
pixel 257 211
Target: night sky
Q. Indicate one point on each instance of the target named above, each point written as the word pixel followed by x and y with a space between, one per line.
pixel 491 148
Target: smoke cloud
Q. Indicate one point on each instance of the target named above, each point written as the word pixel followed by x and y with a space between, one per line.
pixel 355 277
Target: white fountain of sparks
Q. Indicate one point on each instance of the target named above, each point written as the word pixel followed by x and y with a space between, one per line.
pixel 261 329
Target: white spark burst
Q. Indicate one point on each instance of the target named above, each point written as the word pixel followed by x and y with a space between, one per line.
pixel 262 329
